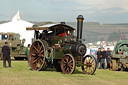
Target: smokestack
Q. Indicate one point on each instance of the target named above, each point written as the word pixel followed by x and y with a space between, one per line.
pixel 62 22
pixel 79 27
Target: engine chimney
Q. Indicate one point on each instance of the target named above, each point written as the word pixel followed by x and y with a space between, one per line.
pixel 79 28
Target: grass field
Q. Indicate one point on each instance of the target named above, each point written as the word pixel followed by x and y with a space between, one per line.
pixel 20 74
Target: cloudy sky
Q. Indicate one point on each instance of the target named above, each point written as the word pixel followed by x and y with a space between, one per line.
pixel 103 11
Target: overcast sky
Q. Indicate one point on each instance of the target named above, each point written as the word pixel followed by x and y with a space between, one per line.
pixel 103 11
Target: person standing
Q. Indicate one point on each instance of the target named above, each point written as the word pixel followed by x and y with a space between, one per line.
pixel 27 52
pixel 6 55
pixel 99 55
pixel 108 56
pixel 102 63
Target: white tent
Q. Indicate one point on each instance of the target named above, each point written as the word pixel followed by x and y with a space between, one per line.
pixel 18 26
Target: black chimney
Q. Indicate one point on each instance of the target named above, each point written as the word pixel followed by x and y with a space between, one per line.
pixel 79 28
pixel 62 22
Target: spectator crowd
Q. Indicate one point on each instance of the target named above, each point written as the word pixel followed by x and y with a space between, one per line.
pixel 103 55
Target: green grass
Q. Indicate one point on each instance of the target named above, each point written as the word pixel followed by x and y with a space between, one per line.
pixel 20 74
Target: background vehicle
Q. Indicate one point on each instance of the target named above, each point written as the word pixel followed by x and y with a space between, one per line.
pixel 16 45
pixel 119 60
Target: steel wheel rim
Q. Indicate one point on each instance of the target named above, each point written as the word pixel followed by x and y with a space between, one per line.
pixel 113 65
pixel 68 64
pixel 89 66
pixel 37 55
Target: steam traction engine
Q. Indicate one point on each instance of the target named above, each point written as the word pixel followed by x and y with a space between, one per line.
pixel 57 46
pixel 119 59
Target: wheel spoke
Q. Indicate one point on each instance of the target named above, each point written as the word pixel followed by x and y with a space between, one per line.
pixel 70 66
pixel 85 61
pixel 36 65
pixel 70 61
pixel 42 51
pixel 64 67
pixel 34 51
pixel 89 60
pixel 93 64
pixel 67 70
pixel 34 61
pixel 40 48
pixel 92 68
pixel 64 62
pixel 35 48
pixel 92 61
pixel 89 69
pixel 41 55
pixel 41 60
pixel 34 55
pixel 86 67
pixel 67 58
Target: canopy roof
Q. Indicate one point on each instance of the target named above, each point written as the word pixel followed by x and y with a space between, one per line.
pixel 61 28
pixel 58 28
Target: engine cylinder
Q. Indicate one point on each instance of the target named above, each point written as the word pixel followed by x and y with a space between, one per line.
pixel 75 49
pixel 78 49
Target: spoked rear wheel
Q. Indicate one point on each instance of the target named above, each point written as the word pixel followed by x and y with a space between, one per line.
pixel 68 64
pixel 37 55
pixel 89 64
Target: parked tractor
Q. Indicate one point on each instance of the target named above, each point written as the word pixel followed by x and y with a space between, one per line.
pixel 16 45
pixel 119 60
pixel 57 46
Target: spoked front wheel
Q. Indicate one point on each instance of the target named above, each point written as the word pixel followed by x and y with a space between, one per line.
pixel 89 64
pixel 68 64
